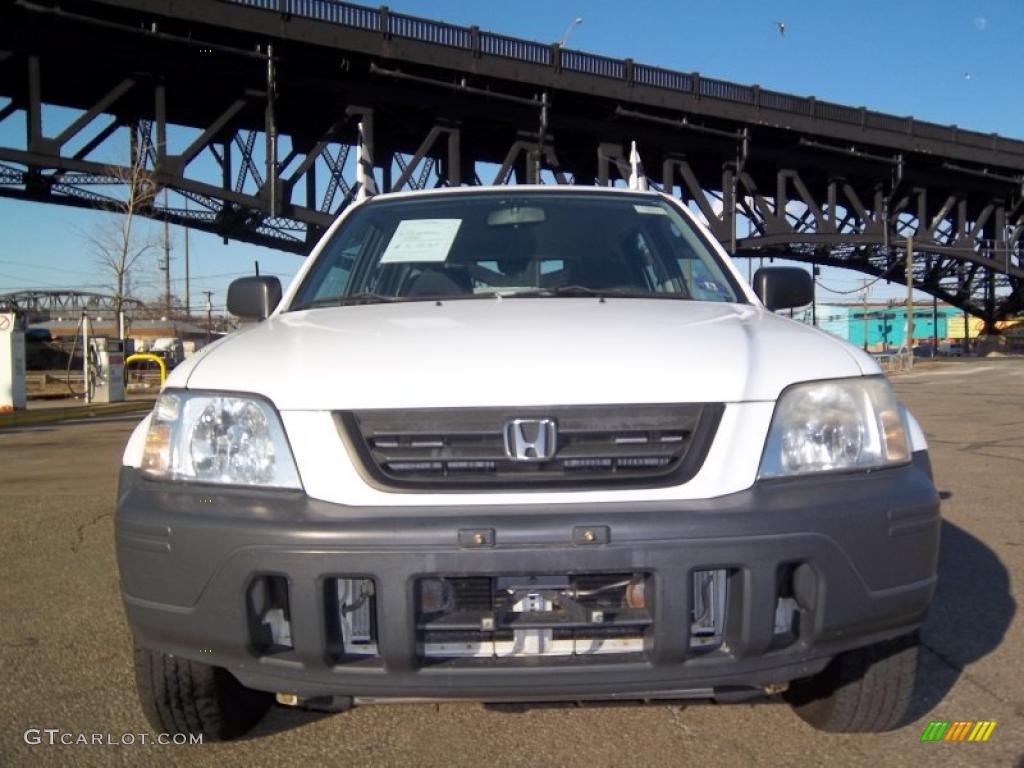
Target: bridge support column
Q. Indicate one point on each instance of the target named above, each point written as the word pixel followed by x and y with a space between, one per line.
pixel 607 154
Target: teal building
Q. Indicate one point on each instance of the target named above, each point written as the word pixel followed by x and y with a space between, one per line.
pixel 884 325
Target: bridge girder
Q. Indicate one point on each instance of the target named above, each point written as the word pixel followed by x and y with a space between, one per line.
pixel 270 159
pixel 42 302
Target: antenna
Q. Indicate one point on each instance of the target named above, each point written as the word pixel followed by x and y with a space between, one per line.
pixel 637 178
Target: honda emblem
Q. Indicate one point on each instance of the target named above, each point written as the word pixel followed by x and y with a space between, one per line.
pixel 530 439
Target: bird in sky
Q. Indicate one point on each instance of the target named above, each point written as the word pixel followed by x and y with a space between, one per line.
pixel 782 27
pixel 967 75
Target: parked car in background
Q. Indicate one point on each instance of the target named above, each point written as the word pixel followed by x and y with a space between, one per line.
pixel 171 349
pixel 950 348
pixel 38 336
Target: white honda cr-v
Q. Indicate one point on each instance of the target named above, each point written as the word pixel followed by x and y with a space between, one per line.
pixel 522 444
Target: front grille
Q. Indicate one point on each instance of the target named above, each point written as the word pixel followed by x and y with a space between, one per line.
pixel 515 617
pixel 350 613
pixel 637 445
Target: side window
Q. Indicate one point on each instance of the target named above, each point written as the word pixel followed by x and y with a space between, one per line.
pixel 332 275
pixel 647 253
pixel 702 282
pixel 336 277
pixel 703 279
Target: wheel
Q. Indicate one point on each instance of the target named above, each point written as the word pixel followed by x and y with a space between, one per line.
pixel 865 690
pixel 182 696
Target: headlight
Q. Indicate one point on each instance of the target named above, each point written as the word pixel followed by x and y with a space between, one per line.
pixel 215 438
pixel 835 425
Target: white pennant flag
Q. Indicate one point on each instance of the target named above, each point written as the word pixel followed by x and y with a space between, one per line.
pixel 637 179
pixel 367 187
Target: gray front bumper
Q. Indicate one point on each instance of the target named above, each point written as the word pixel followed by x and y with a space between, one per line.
pixel 187 554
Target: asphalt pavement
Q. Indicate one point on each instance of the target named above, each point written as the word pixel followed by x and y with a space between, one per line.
pixel 65 649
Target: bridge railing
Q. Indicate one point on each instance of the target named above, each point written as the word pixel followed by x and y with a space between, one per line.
pixel 391 24
pixel 515 48
pixel 425 30
pixel 592 64
pixel 656 77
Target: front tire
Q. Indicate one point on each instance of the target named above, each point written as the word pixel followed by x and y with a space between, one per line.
pixel 864 690
pixel 182 696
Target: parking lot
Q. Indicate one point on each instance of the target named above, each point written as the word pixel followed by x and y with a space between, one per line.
pixel 65 650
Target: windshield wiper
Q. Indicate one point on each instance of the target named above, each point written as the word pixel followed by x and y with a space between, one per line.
pixel 582 290
pixel 364 297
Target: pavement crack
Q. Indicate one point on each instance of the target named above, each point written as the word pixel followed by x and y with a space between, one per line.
pixel 1016 706
pixel 677 720
pixel 80 531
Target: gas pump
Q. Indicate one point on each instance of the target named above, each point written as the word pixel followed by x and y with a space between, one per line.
pixel 108 364
pixel 105 370
pixel 12 362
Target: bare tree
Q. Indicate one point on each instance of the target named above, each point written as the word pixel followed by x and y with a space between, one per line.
pixel 117 244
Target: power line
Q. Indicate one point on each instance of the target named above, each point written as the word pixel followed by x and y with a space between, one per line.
pixel 194 278
pixel 23 265
pixel 859 289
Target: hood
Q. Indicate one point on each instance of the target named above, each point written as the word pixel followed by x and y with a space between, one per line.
pixel 535 351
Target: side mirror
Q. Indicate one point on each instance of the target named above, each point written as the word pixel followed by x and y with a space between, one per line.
pixel 253 298
pixel 783 287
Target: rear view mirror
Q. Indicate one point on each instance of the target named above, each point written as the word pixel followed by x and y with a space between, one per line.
pixel 254 298
pixel 783 287
pixel 504 217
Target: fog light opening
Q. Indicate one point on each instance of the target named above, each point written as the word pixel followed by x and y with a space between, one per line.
pixel 707 615
pixel 270 624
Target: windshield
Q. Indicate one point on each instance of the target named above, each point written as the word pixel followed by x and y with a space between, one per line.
pixel 467 245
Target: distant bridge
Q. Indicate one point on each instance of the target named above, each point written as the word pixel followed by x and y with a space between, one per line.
pixel 272 90
pixel 43 304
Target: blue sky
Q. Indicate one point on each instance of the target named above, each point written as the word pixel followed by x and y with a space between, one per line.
pixel 947 61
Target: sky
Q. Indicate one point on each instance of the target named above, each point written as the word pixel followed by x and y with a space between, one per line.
pixel 945 61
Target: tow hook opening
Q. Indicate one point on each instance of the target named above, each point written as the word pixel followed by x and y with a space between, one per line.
pixel 709 590
pixel 270 625
pixel 351 611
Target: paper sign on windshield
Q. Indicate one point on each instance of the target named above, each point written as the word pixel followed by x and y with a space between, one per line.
pixel 421 240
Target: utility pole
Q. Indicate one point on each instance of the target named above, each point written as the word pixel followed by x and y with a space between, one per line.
pixel 209 314
pixel 864 315
pixel 814 296
pixel 910 295
pixel 188 293
pixel 167 260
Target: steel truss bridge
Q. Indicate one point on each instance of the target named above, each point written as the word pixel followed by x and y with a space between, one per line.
pixel 43 304
pixel 246 111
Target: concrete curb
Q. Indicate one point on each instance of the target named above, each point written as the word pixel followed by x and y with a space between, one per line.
pixel 56 415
